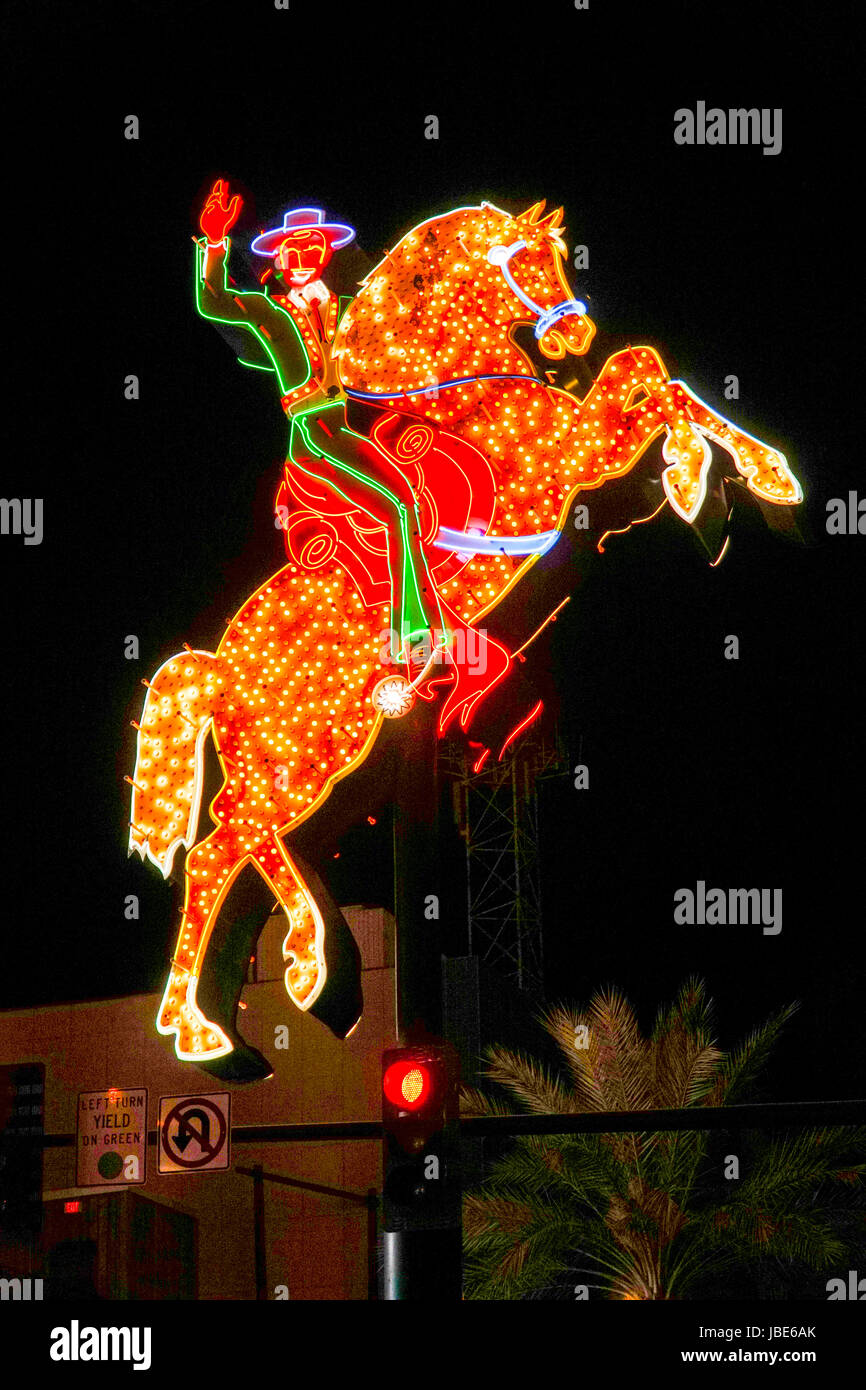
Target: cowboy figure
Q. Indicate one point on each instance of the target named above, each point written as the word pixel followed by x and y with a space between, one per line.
pixel 294 330
pixel 301 249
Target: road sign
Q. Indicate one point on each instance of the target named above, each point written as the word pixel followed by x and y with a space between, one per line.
pixel 194 1133
pixel 112 1137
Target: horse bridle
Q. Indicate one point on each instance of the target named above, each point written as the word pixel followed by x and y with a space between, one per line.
pixel 501 255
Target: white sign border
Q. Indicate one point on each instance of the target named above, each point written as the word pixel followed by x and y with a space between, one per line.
pixel 107 1184
pixel 179 1169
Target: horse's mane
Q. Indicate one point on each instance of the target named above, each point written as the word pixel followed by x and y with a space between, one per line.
pixel 434 301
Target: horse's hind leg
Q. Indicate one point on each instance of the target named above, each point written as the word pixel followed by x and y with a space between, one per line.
pixel 241 917
pixel 304 946
pixel 340 1002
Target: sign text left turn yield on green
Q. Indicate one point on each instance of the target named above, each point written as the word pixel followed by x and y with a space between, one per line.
pixel 112 1137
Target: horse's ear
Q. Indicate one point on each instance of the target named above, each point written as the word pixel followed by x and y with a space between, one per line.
pixel 553 221
pixel 532 214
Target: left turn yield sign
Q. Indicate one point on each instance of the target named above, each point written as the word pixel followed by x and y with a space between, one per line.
pixel 112 1137
pixel 194 1133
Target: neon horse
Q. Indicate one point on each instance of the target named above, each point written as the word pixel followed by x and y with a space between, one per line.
pixel 301 689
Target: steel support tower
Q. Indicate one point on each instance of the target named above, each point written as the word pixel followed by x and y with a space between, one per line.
pixel 496 811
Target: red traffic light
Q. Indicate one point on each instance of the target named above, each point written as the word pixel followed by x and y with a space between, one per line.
pixel 407 1084
pixel 419 1091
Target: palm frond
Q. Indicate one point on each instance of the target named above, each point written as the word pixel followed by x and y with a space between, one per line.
pixel 586 1173
pixel 740 1067
pixel 685 1067
pixel 620 1056
pixel 497 1213
pixel 536 1250
pixel 672 1160
pixel 475 1102
pixel 611 1072
pixel 691 1010
pixel 751 1232
pixel 787 1166
pixel 529 1080
pixel 684 1056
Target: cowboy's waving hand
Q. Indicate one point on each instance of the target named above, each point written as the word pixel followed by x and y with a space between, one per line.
pixel 278 345
pixel 219 216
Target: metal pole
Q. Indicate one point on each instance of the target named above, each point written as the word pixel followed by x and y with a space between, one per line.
pixel 419 1264
pixel 372 1235
pixel 259 1233
pixel 369 1200
pixel 423 1266
pixel 518 884
pixel 769 1115
pixel 468 837
pixel 416 881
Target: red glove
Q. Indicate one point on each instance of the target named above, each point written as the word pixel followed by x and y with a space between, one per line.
pixel 218 217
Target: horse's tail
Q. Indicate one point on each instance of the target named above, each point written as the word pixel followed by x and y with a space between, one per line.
pixel 169 767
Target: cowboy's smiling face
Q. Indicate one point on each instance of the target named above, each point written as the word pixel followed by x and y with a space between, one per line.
pixel 303 256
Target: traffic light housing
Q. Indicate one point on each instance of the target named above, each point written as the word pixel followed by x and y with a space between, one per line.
pixel 420 1087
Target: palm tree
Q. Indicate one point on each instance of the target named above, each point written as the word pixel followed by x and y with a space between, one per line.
pixel 652 1215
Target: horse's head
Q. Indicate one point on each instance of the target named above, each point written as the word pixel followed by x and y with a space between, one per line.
pixel 525 253
pixel 443 302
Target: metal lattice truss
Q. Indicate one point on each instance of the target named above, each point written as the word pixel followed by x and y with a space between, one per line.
pixel 497 813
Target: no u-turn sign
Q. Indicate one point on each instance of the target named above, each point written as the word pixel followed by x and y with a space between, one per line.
pixel 194 1133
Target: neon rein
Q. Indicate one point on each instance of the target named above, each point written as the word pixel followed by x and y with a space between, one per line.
pixel 501 255
pixel 439 386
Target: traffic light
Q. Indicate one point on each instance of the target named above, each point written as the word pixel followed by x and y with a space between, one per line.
pixel 419 1114
pixel 22 1103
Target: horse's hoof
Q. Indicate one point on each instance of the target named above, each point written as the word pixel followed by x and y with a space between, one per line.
pixel 242 1064
pixel 340 1009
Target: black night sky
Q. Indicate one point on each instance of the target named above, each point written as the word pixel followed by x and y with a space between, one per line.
pixel 158 518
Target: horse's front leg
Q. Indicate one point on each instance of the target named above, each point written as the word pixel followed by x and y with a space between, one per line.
pixel 766 471
pixel 210 869
pixel 631 403
pixel 635 383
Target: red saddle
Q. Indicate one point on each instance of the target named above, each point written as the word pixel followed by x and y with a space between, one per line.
pixel 324 523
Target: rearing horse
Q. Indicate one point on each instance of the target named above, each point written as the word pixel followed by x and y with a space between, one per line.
pixel 297 692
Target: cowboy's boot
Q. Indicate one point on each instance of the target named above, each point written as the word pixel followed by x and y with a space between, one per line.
pixel 477 669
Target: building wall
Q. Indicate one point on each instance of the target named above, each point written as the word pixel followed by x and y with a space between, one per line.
pixel 317 1245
